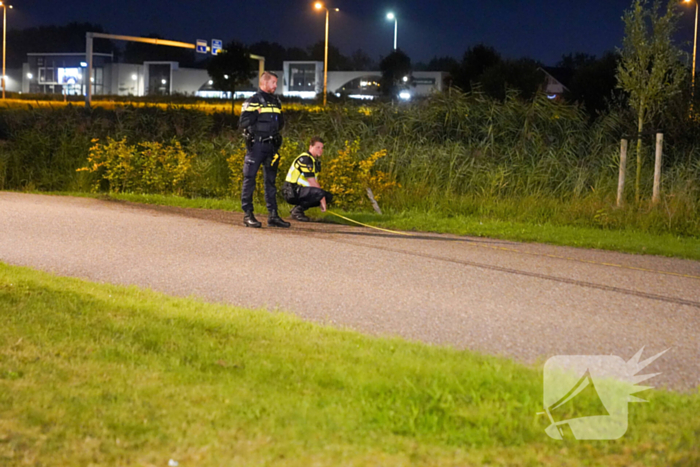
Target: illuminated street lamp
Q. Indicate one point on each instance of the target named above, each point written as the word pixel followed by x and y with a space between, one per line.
pixel 392 17
pixel 695 45
pixel 320 6
pixel 4 44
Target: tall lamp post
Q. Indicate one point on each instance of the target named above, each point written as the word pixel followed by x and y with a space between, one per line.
pixel 392 17
pixel 4 44
pixel 695 45
pixel 321 6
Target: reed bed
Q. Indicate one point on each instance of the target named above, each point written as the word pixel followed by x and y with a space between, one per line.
pixel 454 154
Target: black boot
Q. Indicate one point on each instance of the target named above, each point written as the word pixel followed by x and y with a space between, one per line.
pixel 298 214
pixel 249 220
pixel 274 220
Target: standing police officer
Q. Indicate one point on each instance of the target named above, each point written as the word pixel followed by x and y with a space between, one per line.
pixel 262 121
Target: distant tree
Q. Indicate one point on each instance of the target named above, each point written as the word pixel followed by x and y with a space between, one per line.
pixel 53 39
pixel 297 54
pixel 396 72
pixel 448 64
pixel 593 80
pixel 522 75
pixel 420 66
pixel 483 66
pixel 336 60
pixel 475 62
pixel 231 69
pixel 576 61
pixel 650 69
pixel 360 61
pixel 139 52
pixel 275 54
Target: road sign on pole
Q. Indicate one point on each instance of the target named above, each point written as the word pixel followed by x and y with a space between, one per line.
pixel 202 46
pixel 216 46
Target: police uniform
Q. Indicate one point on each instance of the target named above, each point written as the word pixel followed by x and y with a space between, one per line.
pixel 262 120
pixel 298 191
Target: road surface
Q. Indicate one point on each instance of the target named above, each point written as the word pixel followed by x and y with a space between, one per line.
pixel 526 301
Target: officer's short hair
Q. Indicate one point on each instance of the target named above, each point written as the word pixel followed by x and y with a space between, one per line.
pixel 267 75
pixel 316 139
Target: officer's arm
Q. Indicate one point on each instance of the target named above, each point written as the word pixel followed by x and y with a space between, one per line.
pixel 314 183
pixel 249 114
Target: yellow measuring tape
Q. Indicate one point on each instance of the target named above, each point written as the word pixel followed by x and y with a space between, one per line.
pixel 514 250
pixel 369 226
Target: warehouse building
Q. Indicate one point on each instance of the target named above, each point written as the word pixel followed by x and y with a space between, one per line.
pixel 65 73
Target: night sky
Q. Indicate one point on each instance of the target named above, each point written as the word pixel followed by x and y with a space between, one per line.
pixel 544 30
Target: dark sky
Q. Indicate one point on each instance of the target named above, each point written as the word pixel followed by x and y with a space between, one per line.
pixel 544 30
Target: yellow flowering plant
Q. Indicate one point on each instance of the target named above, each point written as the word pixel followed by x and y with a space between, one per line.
pixel 148 167
pixel 348 176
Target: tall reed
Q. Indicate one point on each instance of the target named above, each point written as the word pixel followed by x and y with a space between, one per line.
pixel 453 153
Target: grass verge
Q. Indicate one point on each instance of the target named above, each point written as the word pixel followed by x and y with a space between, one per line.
pixel 629 241
pixel 105 375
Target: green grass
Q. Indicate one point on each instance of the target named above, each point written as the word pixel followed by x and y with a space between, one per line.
pixel 96 374
pixel 628 240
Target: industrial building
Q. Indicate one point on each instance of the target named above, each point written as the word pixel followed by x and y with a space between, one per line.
pixel 65 73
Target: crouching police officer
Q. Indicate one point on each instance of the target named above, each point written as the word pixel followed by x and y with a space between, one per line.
pixel 301 187
pixel 262 120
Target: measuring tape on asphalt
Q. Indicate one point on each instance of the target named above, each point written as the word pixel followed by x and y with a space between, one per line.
pixel 543 255
pixel 370 226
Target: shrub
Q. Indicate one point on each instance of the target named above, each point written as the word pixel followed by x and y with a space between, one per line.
pixel 348 176
pixel 142 168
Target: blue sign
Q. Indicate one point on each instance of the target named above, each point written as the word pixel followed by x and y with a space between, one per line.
pixel 202 46
pixel 216 46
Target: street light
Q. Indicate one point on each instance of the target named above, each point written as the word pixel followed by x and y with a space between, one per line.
pixel 392 17
pixel 4 43
pixel 695 45
pixel 321 6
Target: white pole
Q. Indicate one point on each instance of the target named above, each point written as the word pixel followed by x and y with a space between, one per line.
pixel 657 168
pixel 623 169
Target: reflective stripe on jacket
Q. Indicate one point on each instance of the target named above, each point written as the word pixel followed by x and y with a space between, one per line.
pixel 301 170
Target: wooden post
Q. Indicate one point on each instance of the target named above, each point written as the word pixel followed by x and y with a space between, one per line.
pixel 657 167
pixel 375 205
pixel 623 171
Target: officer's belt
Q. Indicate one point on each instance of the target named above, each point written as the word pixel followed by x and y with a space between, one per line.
pixel 263 139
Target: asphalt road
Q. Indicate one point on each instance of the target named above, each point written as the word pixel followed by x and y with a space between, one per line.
pixel 526 301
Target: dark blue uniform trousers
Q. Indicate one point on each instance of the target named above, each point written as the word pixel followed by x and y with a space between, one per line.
pixel 305 197
pixel 259 154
